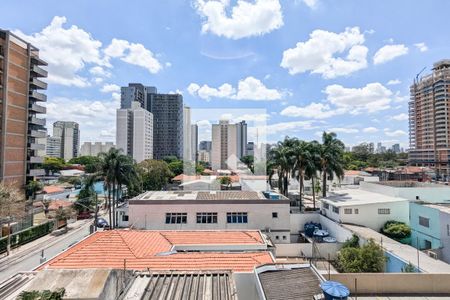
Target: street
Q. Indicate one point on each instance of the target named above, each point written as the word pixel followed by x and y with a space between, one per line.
pixel 31 260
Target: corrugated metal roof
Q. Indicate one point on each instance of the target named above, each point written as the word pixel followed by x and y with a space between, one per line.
pixel 182 285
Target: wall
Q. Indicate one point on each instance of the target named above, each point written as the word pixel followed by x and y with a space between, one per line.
pixel 153 216
pixel 298 220
pixel 395 283
pixel 421 233
pixel 445 236
pixel 341 234
pixel 246 286
pixel 293 250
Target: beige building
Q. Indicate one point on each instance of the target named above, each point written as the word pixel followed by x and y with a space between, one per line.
pixel 429 120
pixel 224 146
pixel 69 135
pixel 21 127
pixel 94 148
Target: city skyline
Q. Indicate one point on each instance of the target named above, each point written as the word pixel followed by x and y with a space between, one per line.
pixel 356 86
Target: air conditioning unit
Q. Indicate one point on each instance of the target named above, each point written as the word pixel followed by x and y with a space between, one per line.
pixel 431 254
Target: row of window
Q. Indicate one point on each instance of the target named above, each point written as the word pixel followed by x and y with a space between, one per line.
pixel 349 211
pixel 210 218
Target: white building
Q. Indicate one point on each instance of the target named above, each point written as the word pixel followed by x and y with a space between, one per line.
pixel 364 208
pixel 204 155
pixel 69 135
pixel 53 146
pixel 135 132
pixel 93 149
pixel 224 144
pixel 206 210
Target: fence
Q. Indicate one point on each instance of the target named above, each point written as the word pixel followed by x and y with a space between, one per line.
pixel 27 235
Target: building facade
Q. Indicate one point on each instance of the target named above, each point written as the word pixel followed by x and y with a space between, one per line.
pixel 135 92
pixel 241 136
pixel 429 120
pixel 21 126
pixel 224 146
pixel 53 146
pixel 69 134
pixel 194 142
pixel 134 134
pixel 93 149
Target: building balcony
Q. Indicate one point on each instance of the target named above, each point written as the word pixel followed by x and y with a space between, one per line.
pixel 37 133
pixel 36 146
pixel 36 121
pixel 38 96
pixel 36 172
pixel 36 160
pixel 38 108
pixel 38 61
pixel 38 84
pixel 38 71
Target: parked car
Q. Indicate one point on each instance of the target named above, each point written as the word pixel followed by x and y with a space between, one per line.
pixel 102 223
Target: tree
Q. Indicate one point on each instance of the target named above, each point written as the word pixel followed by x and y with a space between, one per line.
pixel 281 160
pixel 53 165
pixel 176 167
pixel 330 153
pixel 62 214
pixel 155 174
pixel 249 160
pixel 302 158
pixel 87 197
pixel 58 294
pixel 369 258
pixel 91 163
pixel 409 268
pixel 312 168
pixel 396 230
pixel 33 187
pixel 226 181
pixel 12 206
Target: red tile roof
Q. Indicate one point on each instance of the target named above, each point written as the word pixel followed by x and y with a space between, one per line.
pixel 50 189
pixel 108 249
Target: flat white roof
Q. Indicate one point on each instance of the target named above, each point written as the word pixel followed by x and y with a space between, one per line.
pixel 445 208
pixel 351 197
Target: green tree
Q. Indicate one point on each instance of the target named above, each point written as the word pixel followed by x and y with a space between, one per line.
pixel 409 268
pixel 155 174
pixel 369 258
pixel 249 161
pixel 176 167
pixel 52 165
pixel 331 162
pixel 32 187
pixel 281 160
pixel 396 230
pixel 226 181
pixel 303 159
pixel 12 207
pixel 58 294
pixel 91 163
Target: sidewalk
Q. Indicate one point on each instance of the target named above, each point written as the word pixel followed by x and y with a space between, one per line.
pixel 46 240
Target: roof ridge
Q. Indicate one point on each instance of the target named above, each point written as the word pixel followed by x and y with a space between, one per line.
pixel 125 242
pixel 161 234
pixel 247 233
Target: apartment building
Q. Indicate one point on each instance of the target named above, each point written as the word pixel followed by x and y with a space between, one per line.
pixel 94 148
pixel 21 127
pixel 210 210
pixel 69 134
pixel 134 135
pixel 429 120
pixel 53 146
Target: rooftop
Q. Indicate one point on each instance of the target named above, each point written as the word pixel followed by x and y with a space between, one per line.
pixel 445 208
pixel 203 195
pixel 155 250
pixel 358 196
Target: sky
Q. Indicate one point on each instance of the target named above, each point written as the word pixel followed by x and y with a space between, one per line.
pixel 301 66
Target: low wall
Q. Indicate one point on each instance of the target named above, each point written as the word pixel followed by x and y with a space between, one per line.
pixel 293 250
pixel 298 220
pixel 395 283
pixel 337 231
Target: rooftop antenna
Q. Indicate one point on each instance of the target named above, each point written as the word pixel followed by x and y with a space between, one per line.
pixel 418 74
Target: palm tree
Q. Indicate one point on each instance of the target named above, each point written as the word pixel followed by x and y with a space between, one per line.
pixel 281 160
pixel 313 168
pixel 301 154
pixel 331 162
pixel 107 169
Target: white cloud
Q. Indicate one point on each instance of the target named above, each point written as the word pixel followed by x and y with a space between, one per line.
pixel 311 3
pixel 400 117
pixel 290 126
pixel 422 47
pixel 247 18
pixel 249 88
pixel 389 52
pixel 394 82
pixel 371 98
pixel 99 71
pixel 394 133
pixel 67 51
pixel 327 53
pixel 342 130
pixel 312 110
pixel 370 130
pixel 109 88
pixel 133 53
pixel 96 117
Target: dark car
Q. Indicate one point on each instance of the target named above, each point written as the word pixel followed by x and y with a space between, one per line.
pixel 102 223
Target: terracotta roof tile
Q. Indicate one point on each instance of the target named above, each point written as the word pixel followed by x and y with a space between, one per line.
pixel 109 249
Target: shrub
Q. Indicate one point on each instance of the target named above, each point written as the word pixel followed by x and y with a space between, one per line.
pixel 396 230
pixel 366 259
pixel 27 235
pixel 352 243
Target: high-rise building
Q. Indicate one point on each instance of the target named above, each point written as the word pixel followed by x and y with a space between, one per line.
pixel 194 142
pixel 204 156
pixel 53 148
pixel 187 134
pixel 205 145
pixel 69 133
pixel 396 148
pixel 135 92
pixel 20 127
pixel 134 133
pixel 371 147
pixel 250 149
pixel 241 136
pixel 429 120
pixel 167 110
pixel 224 146
pixel 93 149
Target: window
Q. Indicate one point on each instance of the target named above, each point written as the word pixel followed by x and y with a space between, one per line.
pixel 284 237
pixel 237 217
pixel 448 229
pixel 384 211
pixel 335 209
pixel 277 237
pixel 425 222
pixel 207 218
pixel 125 218
pixel 356 211
pixel 176 218
pixel 347 211
pixel 326 206
pixel 274 215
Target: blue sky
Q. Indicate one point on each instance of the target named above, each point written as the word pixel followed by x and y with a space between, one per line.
pixel 313 65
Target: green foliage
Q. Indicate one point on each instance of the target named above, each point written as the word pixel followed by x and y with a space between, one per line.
pixel 27 235
pixel 409 268
pixel 74 180
pixel 155 174
pixel 366 259
pixel 396 230
pixel 52 165
pixel 249 160
pixel 226 181
pixel 176 167
pixel 361 157
pixel 58 294
pixel 353 242
pixel 91 163
pixel 33 187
